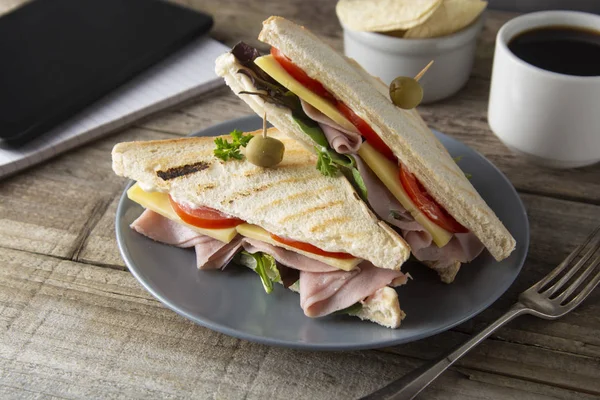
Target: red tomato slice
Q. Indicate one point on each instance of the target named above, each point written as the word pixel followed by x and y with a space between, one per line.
pixel 427 205
pixel 204 217
pixel 310 248
pixel 301 76
pixel 366 131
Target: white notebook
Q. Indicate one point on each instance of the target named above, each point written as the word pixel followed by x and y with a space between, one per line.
pixel 184 74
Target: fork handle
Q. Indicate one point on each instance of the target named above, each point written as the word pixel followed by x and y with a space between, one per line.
pixel 411 384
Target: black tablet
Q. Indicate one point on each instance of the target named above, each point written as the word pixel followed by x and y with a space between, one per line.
pixel 59 56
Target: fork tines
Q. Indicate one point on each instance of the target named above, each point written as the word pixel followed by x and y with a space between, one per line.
pixel 578 260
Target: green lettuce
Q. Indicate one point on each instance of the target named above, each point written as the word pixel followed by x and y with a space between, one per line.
pixel 264 265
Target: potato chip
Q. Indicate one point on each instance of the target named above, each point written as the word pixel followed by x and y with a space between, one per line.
pixel 450 17
pixel 384 15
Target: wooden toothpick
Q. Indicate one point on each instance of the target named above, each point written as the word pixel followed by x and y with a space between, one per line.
pixel 420 74
pixel 265 125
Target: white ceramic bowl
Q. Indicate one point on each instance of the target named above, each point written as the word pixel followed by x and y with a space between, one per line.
pixel 388 57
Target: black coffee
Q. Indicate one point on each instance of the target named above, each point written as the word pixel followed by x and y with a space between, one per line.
pixel 561 49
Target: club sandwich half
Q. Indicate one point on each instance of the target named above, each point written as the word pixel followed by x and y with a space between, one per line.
pixel 290 224
pixel 337 110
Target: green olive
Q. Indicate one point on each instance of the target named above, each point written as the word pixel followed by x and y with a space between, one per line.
pixel 265 151
pixel 406 92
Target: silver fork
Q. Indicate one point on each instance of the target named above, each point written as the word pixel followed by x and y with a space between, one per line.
pixel 541 300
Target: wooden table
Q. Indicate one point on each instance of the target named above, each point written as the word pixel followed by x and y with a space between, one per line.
pixel 76 324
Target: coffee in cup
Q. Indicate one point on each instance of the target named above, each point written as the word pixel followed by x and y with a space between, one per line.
pixel 545 91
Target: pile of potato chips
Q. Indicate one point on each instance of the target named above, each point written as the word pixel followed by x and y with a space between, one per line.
pixel 409 18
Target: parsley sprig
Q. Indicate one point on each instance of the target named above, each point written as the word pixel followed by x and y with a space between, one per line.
pixel 226 151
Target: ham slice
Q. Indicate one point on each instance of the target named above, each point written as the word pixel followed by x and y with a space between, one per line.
pixel 463 247
pixel 214 254
pixel 341 140
pixel 210 253
pixel 385 205
pixel 323 288
pixel 164 230
pixel 324 293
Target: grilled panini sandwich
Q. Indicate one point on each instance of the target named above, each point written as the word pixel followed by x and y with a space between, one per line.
pixel 406 175
pixel 289 223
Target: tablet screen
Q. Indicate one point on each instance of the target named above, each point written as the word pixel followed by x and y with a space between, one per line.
pixel 59 56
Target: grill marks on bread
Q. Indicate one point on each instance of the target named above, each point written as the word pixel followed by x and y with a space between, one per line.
pixel 311 210
pixel 323 226
pixel 265 186
pixel 183 170
pixel 303 195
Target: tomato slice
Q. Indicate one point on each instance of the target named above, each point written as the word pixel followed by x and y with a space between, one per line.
pixel 310 248
pixel 204 217
pixel 366 131
pixel 428 205
pixel 301 76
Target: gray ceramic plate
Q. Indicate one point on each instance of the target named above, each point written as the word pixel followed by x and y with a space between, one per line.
pixel 233 302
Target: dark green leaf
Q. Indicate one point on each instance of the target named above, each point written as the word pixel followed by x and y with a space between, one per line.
pixel 343 160
pixel 312 129
pixel 359 184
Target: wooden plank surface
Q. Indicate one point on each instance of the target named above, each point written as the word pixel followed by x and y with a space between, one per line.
pixel 76 324
pixel 75 330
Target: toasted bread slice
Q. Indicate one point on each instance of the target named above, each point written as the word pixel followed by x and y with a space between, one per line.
pixel 293 200
pixel 403 131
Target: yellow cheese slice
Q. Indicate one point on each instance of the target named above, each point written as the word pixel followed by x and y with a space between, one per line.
pixel 159 203
pixel 276 71
pixel 388 173
pixel 258 233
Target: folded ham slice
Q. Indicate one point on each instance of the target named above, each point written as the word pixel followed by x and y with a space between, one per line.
pixel 341 140
pixel 210 253
pixel 323 288
pixel 463 247
pixel 324 293
pixel 287 257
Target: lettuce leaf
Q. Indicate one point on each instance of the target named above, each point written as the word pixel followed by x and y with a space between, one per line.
pixel 264 265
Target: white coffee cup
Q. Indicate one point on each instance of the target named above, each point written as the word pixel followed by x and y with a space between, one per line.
pixel 553 119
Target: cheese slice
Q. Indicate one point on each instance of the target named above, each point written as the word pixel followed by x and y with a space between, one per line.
pixel 388 173
pixel 258 233
pixel 159 203
pixel 277 72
